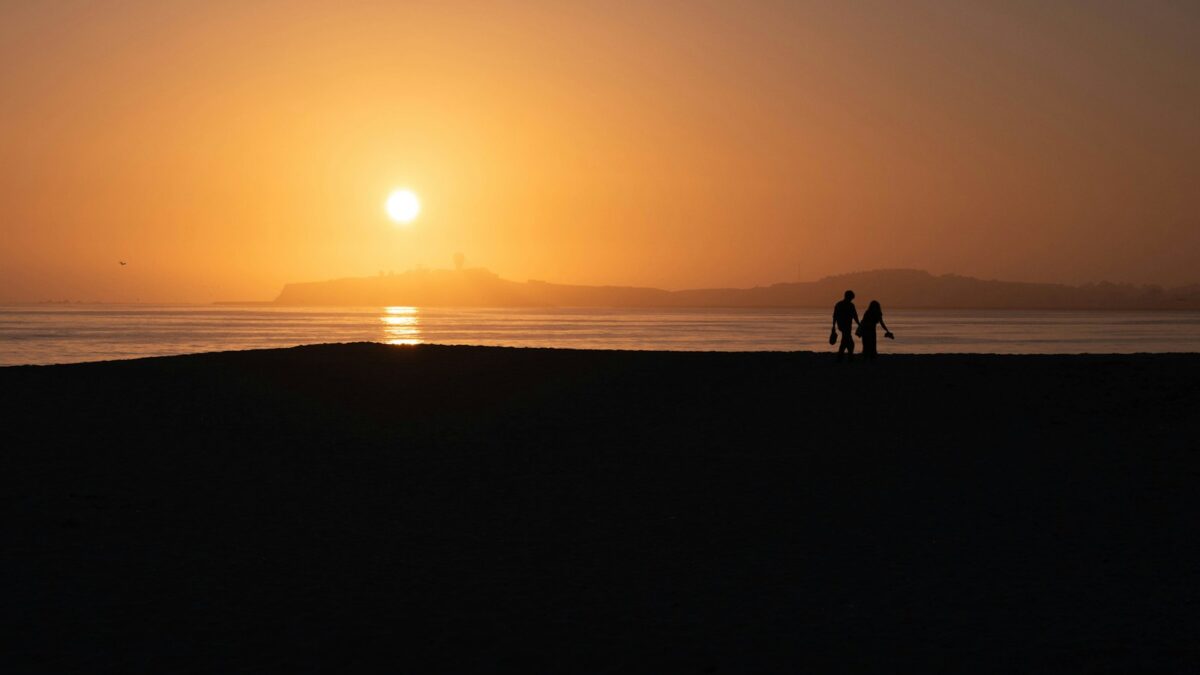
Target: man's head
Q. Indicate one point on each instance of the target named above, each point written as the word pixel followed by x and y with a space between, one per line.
pixel 849 295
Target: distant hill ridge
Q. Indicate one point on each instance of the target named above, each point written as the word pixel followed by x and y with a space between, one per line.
pixel 895 288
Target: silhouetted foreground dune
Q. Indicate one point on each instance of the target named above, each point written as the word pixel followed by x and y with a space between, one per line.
pixel 451 509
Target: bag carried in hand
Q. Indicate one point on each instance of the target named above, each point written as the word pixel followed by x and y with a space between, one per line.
pixel 833 337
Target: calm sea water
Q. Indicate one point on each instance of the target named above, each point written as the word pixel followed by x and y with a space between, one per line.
pixel 63 334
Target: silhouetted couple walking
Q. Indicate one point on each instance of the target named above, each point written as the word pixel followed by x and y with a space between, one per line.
pixel 845 315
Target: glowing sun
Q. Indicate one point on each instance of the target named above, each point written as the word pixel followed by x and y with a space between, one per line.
pixel 403 206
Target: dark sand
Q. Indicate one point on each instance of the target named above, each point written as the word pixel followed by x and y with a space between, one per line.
pixel 435 509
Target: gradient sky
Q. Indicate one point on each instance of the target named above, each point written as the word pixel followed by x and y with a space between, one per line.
pixel 225 148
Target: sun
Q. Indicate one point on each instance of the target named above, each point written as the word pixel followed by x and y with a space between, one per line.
pixel 403 206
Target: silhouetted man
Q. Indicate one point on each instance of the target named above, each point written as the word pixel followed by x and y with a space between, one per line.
pixel 844 315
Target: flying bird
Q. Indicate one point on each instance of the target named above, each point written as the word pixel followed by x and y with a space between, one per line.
pixel 122 262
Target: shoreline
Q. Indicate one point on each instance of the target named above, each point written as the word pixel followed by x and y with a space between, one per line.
pixel 832 356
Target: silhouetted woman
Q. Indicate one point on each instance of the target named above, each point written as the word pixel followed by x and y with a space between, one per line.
pixel 866 329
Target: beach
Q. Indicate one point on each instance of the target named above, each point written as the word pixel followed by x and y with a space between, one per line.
pixel 363 507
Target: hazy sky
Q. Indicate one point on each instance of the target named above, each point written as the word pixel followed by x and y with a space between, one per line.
pixel 225 148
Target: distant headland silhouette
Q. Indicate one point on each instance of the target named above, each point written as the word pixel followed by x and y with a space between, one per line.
pixel 902 288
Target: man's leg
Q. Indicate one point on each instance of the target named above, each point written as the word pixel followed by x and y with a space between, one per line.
pixel 847 344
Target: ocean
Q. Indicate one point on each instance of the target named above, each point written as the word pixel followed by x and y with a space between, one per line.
pixel 45 334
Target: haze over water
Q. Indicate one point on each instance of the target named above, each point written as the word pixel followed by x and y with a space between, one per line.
pixel 44 334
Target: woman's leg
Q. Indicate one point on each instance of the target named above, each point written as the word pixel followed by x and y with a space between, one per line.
pixel 868 343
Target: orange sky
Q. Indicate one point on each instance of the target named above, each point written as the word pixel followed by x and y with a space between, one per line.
pixel 225 148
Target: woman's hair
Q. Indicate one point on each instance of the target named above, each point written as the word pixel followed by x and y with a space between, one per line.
pixel 874 307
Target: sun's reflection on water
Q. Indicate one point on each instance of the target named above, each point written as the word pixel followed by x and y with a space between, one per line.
pixel 401 326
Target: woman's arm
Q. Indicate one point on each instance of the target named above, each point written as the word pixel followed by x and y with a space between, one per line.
pixel 886 333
